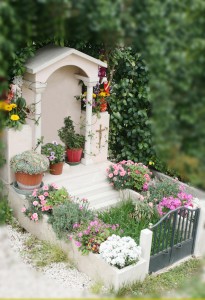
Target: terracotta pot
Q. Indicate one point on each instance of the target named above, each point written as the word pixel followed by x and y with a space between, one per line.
pixel 27 181
pixel 56 169
pixel 74 155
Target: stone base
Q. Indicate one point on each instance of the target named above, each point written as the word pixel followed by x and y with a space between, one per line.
pixel 15 142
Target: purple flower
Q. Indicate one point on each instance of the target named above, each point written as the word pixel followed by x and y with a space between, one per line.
pixel 55 143
pixel 51 158
pixel 52 153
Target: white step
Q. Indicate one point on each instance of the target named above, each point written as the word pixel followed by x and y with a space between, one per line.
pixel 92 189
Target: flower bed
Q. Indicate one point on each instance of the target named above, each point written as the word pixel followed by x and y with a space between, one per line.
pixel 92 264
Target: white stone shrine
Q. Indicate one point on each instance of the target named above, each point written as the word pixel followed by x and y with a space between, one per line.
pixel 50 83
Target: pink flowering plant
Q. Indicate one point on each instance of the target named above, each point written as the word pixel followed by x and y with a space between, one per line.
pixel 129 175
pixel 88 236
pixel 171 203
pixel 42 201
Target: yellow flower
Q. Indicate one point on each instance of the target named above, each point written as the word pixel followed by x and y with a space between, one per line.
pixel 94 95
pixel 8 107
pixel 13 105
pixel 2 105
pixel 151 163
pixel 14 117
pixel 102 94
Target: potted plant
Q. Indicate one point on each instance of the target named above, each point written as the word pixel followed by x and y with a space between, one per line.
pixel 29 167
pixel 56 156
pixel 74 142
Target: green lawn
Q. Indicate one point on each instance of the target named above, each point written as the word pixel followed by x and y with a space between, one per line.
pixel 121 215
pixel 182 280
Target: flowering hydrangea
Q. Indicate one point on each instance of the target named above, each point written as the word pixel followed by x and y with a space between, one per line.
pixel 43 199
pixel 120 252
pixel 127 174
pixel 89 236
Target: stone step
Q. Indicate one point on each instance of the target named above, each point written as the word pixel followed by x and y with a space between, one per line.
pixel 102 197
pixel 105 205
pixel 102 186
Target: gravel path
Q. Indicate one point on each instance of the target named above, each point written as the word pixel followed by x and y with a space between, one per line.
pixel 20 279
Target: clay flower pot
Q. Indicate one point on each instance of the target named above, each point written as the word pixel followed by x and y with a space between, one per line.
pixel 74 155
pixel 56 169
pixel 27 181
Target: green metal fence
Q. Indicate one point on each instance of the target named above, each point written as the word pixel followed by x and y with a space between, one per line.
pixel 173 237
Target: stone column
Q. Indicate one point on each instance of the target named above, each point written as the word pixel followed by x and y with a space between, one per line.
pixel 87 160
pixel 38 88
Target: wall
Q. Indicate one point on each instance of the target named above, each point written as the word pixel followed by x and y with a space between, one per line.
pixel 58 102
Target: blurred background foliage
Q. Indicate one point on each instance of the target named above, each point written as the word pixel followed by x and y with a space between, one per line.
pixel 171 39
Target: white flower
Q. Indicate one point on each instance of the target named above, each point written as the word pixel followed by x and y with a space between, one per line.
pixel 120 252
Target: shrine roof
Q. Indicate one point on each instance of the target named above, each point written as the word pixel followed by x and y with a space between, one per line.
pixel 49 55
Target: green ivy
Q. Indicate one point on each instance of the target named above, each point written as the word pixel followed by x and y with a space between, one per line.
pixel 130 108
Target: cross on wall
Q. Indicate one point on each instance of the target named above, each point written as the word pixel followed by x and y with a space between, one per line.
pixel 100 135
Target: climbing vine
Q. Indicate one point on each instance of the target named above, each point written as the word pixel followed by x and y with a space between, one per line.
pixel 130 108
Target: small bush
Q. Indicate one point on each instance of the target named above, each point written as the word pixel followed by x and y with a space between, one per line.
pixel 66 215
pixel 5 210
pixel 159 189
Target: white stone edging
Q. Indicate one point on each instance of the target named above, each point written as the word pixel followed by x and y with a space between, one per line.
pixel 91 264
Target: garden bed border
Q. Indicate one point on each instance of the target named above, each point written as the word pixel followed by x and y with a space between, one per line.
pixel 92 264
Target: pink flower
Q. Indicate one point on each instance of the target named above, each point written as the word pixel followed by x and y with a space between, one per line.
pixel 45 188
pixel 34 193
pixel 41 197
pixel 145 186
pixel 54 186
pixel 35 203
pixel 34 217
pixel 141 198
pixel 150 204
pixel 115 172
pixel 23 210
pixel 46 194
pixel 86 231
pixel 81 207
pixel 70 237
pixel 122 173
pixel 110 175
pixel 43 202
pixel 80 234
pixel 78 244
pixel 76 225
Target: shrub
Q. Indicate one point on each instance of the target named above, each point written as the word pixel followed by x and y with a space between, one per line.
pixel 120 252
pixel 5 210
pixel 127 174
pixel 89 236
pixel 66 215
pixel 43 200
pixel 159 189
pixel 144 211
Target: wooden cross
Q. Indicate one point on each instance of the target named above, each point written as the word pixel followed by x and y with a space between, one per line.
pixel 100 134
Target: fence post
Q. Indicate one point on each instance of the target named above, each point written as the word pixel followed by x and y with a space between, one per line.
pixel 146 244
pixel 199 249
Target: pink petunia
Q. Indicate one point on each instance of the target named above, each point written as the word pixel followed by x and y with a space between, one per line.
pixel 110 175
pixel 35 203
pixel 45 188
pixel 41 197
pixel 46 194
pixel 23 210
